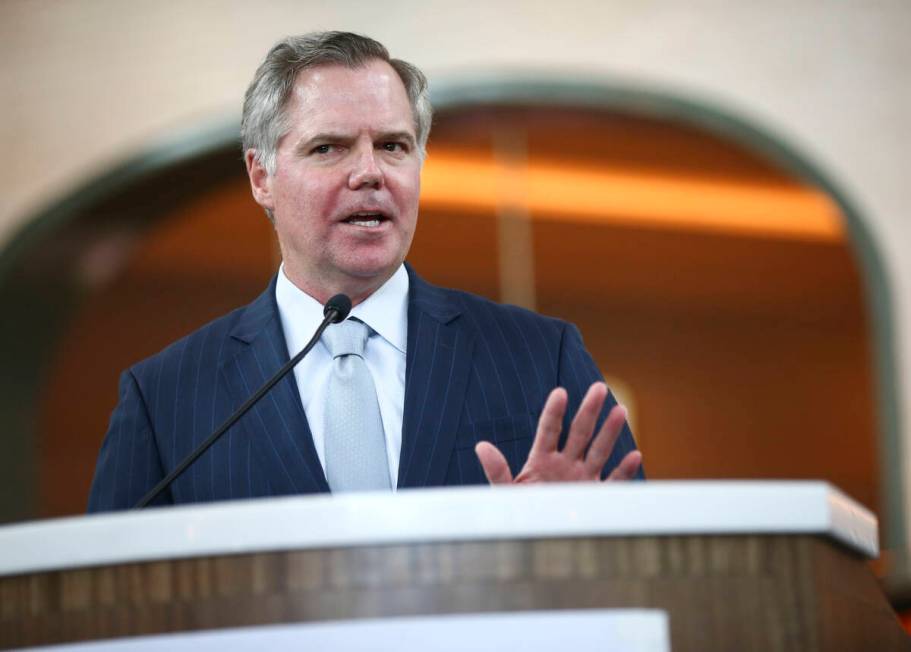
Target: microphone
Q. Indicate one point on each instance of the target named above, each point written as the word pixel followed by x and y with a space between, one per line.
pixel 335 311
pixel 339 306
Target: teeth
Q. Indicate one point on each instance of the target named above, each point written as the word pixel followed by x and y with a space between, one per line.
pixel 365 218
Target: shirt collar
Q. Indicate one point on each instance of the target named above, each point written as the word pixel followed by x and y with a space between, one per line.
pixel 385 311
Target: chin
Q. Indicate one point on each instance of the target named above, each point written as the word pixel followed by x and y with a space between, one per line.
pixel 365 271
pixel 370 265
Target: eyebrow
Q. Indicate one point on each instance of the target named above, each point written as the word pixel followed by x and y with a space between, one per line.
pixel 337 137
pixel 398 135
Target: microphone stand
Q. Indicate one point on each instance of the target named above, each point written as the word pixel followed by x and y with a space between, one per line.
pixel 336 310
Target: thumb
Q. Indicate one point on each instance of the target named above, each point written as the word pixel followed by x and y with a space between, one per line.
pixel 494 464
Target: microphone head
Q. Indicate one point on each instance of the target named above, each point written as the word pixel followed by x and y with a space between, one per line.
pixel 340 304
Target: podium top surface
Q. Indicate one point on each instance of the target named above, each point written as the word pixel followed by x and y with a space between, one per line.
pixel 432 515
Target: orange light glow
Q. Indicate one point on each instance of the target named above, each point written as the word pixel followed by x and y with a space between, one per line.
pixel 601 194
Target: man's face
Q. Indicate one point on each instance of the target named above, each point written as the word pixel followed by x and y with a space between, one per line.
pixel 345 190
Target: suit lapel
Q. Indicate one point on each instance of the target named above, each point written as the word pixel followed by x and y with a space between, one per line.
pixel 438 364
pixel 277 427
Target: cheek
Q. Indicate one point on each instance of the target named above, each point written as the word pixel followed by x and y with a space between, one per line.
pixel 310 205
pixel 407 189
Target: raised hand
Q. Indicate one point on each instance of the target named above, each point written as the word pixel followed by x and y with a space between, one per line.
pixel 577 462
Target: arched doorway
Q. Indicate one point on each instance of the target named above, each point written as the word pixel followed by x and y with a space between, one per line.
pixel 717 275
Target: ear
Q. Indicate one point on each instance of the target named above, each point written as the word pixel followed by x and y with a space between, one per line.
pixel 260 181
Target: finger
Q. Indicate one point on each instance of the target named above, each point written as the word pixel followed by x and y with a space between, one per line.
pixel 627 468
pixel 583 425
pixel 495 466
pixel 605 440
pixel 550 423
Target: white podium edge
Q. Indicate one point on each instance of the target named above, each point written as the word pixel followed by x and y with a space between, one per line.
pixel 654 508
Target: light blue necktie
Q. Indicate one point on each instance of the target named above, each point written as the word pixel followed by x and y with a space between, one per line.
pixel 355 443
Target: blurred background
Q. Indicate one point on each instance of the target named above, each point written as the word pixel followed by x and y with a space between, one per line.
pixel 715 193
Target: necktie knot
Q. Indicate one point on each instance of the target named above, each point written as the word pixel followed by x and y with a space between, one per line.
pixel 347 338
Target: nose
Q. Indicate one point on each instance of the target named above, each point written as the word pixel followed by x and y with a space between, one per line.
pixel 366 173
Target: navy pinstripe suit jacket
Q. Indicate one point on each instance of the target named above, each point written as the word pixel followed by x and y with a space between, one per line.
pixel 475 370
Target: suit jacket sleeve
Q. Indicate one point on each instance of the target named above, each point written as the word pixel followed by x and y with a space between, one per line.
pixel 576 372
pixel 129 463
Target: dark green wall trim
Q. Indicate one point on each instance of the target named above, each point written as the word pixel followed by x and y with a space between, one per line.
pixel 157 159
pixel 739 126
pixel 38 280
pixel 546 90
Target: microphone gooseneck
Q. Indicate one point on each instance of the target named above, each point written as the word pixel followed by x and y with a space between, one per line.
pixel 335 311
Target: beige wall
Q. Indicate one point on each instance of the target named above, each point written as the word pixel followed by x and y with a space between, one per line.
pixel 85 84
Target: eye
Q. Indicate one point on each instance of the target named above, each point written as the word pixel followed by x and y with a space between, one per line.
pixel 394 147
pixel 321 149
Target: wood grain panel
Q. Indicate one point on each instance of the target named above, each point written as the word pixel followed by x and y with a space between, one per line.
pixel 722 592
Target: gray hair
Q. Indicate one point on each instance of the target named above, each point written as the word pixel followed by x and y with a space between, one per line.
pixel 264 120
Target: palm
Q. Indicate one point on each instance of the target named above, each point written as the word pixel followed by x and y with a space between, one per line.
pixel 582 458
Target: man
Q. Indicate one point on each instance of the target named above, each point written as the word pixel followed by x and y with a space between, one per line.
pixel 446 388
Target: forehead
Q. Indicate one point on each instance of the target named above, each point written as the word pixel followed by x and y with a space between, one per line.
pixel 336 97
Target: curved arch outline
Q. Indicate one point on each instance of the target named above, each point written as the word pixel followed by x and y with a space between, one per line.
pixel 590 93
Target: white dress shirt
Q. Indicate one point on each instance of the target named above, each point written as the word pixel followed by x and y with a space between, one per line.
pixel 386 312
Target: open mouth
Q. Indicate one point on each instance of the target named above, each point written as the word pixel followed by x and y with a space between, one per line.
pixel 367 219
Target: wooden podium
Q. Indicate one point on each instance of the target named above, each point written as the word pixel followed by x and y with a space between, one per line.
pixel 736 565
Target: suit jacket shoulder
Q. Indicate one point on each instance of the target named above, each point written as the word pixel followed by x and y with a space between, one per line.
pixel 475 370
pixel 241 323
pixel 171 401
pixel 495 366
